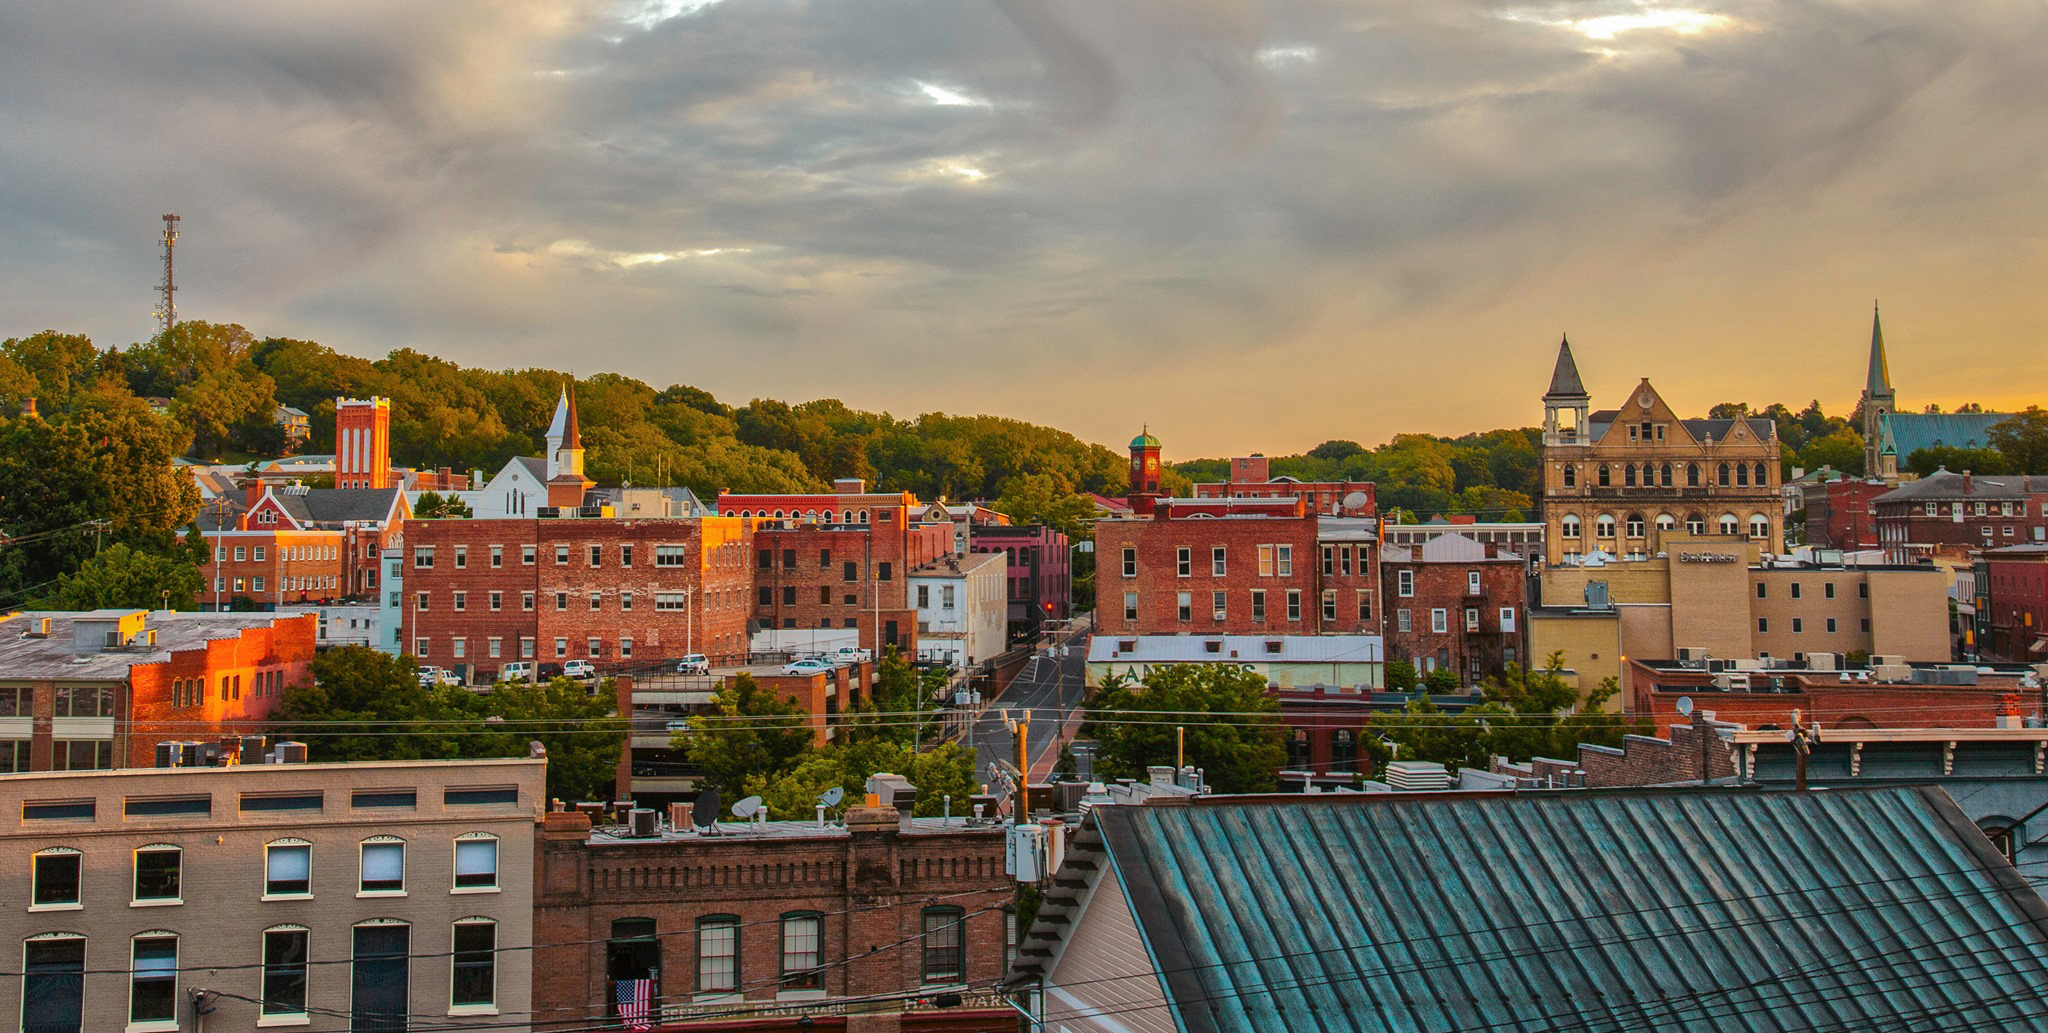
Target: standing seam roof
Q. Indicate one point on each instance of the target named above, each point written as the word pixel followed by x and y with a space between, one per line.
pixel 1863 909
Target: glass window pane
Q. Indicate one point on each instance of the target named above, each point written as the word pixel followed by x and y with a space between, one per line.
pixel 153 988
pixel 56 879
pixel 476 862
pixel 475 963
pixel 284 972
pixel 717 955
pixel 379 987
pixel 53 988
pixel 383 866
pixel 156 874
pixel 291 870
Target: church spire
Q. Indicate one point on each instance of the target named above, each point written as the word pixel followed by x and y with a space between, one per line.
pixel 1879 384
pixel 1564 380
pixel 572 439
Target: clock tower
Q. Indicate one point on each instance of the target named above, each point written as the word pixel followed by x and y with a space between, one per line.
pixel 1144 472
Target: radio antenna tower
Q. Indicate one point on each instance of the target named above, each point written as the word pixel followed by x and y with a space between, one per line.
pixel 167 309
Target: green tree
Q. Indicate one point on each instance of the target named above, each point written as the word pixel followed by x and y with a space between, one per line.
pixel 123 577
pixel 1039 499
pixel 1401 676
pixel 2023 441
pixel 1925 461
pixel 749 730
pixel 58 365
pixel 433 505
pixel 1841 450
pixel 1239 749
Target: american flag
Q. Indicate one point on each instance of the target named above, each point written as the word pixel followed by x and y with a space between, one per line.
pixel 636 1003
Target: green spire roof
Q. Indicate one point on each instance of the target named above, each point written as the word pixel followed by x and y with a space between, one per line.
pixel 1145 439
pixel 1880 383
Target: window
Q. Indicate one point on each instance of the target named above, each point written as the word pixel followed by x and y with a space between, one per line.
pixel 1507 619
pixel 526 601
pixel 379 989
pixel 1571 476
pixel 1330 604
pixel 153 980
pixel 476 862
pixel 497 556
pixel 1759 526
pixel 383 863
pixel 422 556
pixel 1364 605
pixel 1439 621
pixel 257 555
pixel 789 595
pixel 802 950
pixel 475 977
pixel 526 555
pixel 242 553
pixel 1795 590
pixel 1603 526
pixel 1471 618
pixel 1568 527
pixel 1602 476
pixel 597 600
pixel 668 601
pixel 1294 604
pixel 882 571
pixel 765 596
pixel 156 873
pixel 56 878
pixel 1634 525
pixel 419 602
pixel 1762 590
pixel 525 648
pixel 1185 603
pixel 1283 560
pixel 594 648
pixel 1329 560
pixel 1218 602
pixel 1472 582
pixel 945 959
pixel 1827 589
pixel 1258 604
pixel 1216 561
pixel 1404 583
pixel 461 601
pixel 561 555
pixel 53 983
pixel 1763 625
pixel 597 555
pixel 1664 471
pixel 288 868
pixel 1404 621
pixel 284 970
pixel 1831 625
pixel 1130 606
pixel 1728 523
pixel 1628 475
pixel 497 601
pixel 561 648
pixel 1183 562
pixel 1798 625
pixel 718 954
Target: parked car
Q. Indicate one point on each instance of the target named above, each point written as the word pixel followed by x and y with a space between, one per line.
pixel 429 677
pixel 518 671
pixel 695 663
pixel 850 655
pixel 807 666
pixel 579 669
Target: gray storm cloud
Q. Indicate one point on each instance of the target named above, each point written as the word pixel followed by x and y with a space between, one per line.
pixel 1031 203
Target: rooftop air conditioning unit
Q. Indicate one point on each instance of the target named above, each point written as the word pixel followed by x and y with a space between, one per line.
pixel 1823 661
pixel 1733 680
pixel 1691 655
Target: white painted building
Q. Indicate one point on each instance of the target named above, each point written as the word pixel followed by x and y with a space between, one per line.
pixel 962 607
pixel 1287 661
pixel 354 624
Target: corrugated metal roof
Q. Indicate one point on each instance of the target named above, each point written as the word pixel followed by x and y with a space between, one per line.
pixel 1856 909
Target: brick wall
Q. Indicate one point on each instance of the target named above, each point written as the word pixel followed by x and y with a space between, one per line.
pixel 869 884
pixel 839 576
pixel 1154 547
pixel 1476 653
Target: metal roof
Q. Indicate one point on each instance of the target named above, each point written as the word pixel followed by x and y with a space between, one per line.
pixel 1582 910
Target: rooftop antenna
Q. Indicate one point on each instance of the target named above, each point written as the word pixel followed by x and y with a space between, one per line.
pixel 167 308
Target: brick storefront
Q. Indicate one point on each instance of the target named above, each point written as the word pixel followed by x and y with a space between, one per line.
pixel 1458 604
pixel 837 575
pixel 762 925
pixel 616 592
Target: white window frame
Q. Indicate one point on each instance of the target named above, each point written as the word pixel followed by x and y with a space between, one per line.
pixel 289 843
pixel 362 853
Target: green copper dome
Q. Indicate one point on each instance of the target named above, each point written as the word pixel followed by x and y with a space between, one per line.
pixel 1145 440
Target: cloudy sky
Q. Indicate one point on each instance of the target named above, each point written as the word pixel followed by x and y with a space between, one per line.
pixel 1250 225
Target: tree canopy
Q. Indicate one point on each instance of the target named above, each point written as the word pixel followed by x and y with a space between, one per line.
pixel 1527 713
pixel 1239 750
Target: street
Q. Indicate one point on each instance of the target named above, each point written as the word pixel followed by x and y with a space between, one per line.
pixel 1051 689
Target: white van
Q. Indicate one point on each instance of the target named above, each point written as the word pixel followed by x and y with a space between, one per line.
pixel 518 671
pixel 695 663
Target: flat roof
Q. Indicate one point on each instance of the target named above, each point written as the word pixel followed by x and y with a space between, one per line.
pixel 24 657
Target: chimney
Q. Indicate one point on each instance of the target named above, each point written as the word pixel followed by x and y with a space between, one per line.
pixel 1966 482
pixel 849 486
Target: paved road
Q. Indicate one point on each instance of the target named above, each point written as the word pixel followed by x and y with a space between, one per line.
pixel 1052 693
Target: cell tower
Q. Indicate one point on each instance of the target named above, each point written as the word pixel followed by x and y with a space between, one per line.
pixel 167 309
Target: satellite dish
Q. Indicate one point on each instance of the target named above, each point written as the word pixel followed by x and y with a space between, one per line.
pixel 705 810
pixel 832 796
pixel 746 808
pixel 1356 500
pixel 1685 706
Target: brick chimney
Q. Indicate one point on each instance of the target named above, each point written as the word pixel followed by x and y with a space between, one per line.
pixel 1966 482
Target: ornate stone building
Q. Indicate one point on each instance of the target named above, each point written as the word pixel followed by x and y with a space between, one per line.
pixel 1615 481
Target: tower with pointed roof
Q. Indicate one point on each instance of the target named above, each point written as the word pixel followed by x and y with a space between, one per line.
pixel 566 482
pixel 1878 403
pixel 1566 403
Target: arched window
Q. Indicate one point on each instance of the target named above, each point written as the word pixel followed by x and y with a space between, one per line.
pixel 1603 527
pixel 1568 527
pixel 56 874
pixel 1695 523
pixel 1729 524
pixel 383 865
pixel 1741 476
pixel 153 977
pixel 1664 476
pixel 284 970
pixel 1759 526
pixel 1692 475
pixel 157 867
pixel 1297 751
pixel 1603 479
pixel 380 989
pixel 1723 475
pixel 1666 522
pixel 803 939
pixel 1343 750
pixel 2001 831
pixel 1634 525
pixel 474 963
pixel 53 987
pixel 1628 475
pixel 476 862
pixel 718 954
pixel 1762 478
pixel 1571 476
pixel 1649 476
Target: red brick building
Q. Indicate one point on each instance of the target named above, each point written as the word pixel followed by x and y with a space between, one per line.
pixel 1886 696
pixel 480 593
pixel 1040 574
pixel 2016 624
pixel 1456 604
pixel 1960 511
pixel 303 545
pixel 1842 513
pixel 100 689
pixel 1209 566
pixel 1250 478
pixel 837 575
pixel 778 925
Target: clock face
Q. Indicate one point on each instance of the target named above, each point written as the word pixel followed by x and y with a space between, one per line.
pixel 1152 463
pixel 1647 400
pixel 1137 462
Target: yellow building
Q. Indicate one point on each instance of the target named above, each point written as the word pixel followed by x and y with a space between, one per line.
pixel 1617 481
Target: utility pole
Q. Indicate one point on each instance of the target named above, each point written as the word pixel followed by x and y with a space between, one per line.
pixel 1023 727
pixel 167 307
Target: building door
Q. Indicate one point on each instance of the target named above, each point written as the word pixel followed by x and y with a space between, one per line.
pixel 632 969
pixel 53 986
pixel 379 996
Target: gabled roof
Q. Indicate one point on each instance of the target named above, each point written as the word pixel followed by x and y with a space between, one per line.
pixel 1944 485
pixel 1667 910
pixel 1718 430
pixel 534 465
